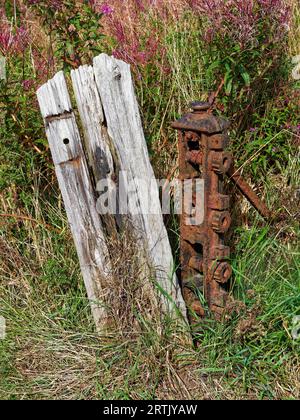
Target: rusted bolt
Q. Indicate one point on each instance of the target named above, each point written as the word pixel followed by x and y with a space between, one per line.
pixel 220 221
pixel 218 142
pixel 223 273
pixel 221 162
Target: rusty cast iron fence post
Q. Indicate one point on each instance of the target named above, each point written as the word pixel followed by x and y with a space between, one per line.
pixel 204 255
pixel 203 139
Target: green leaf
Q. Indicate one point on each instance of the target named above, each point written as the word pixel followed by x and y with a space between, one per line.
pixel 245 75
pixel 228 82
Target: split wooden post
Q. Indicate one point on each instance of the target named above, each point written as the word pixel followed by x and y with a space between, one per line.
pixel 113 145
pixel 97 144
pixel 96 140
pixel 116 89
pixel 77 192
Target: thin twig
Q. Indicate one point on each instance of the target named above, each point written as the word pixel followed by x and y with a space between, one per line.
pixel 169 177
pixel 214 95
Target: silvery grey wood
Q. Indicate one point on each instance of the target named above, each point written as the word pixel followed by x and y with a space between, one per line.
pixel 77 192
pixel 54 100
pixel 92 118
pixel 97 143
pixel 115 85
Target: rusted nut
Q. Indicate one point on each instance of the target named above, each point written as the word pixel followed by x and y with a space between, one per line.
pixel 220 221
pixel 219 202
pixel 195 157
pixel 196 263
pixel 218 142
pixel 220 162
pixel 223 273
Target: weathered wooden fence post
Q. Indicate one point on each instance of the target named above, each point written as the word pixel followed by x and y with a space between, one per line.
pixel 115 85
pixel 77 192
pixel 113 144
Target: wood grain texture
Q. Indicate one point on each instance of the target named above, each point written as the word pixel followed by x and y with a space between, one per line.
pixel 97 142
pixel 115 86
pixel 77 192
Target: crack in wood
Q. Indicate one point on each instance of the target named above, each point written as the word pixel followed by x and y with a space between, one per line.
pixel 65 115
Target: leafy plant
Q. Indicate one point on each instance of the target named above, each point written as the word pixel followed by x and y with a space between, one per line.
pixel 74 27
pixel 244 42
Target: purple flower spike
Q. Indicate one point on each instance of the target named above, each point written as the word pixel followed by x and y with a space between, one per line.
pixel 106 9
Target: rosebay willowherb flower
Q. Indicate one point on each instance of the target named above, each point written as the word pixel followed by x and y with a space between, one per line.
pixel 13 40
pixel 245 21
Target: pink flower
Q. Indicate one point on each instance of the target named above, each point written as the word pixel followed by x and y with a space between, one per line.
pixel 240 19
pixel 106 9
pixel 27 84
pixel 5 41
pixel 13 41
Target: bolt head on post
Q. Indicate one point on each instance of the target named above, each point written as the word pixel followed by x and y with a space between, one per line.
pixel 220 221
pixel 221 162
pixel 223 273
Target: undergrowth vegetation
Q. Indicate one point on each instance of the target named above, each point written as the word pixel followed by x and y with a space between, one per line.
pixel 179 51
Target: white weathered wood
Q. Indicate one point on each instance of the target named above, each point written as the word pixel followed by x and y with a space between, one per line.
pixel 92 118
pixel 114 82
pixel 55 101
pixel 97 142
pixel 77 192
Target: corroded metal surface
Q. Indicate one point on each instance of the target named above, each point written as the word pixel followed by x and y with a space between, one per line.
pixel 247 191
pixel 203 139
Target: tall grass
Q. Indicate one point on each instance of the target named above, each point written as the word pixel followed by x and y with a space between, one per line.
pixel 295 29
pixel 52 352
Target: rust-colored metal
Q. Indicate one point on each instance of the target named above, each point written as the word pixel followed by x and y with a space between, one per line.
pixel 247 191
pixel 203 139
